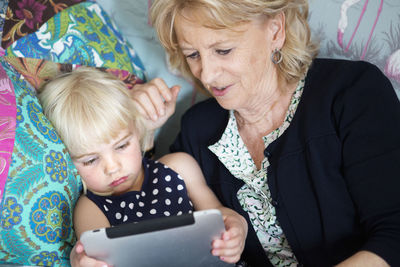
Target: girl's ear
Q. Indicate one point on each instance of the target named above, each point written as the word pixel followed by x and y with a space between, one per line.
pixel 277 30
pixel 84 186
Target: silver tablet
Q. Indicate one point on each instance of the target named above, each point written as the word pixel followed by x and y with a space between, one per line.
pixel 176 241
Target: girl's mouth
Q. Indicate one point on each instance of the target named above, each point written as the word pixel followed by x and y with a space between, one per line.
pixel 119 181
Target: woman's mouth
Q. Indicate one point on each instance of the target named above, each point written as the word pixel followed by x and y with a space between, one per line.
pixel 219 91
pixel 119 181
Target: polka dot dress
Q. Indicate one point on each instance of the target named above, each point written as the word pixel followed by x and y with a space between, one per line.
pixel 163 193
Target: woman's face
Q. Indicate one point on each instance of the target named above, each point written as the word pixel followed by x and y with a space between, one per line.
pixel 233 64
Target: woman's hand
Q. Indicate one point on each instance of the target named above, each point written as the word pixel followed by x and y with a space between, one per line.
pixel 231 245
pixel 79 258
pixel 155 101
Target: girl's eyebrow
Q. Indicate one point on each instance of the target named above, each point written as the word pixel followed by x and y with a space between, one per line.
pixel 82 156
pixel 127 136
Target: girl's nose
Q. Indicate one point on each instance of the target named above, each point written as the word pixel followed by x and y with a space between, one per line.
pixel 112 165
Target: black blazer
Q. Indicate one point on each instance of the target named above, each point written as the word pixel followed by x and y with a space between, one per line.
pixel 334 174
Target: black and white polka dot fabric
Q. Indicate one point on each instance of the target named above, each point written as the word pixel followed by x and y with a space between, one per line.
pixel 163 194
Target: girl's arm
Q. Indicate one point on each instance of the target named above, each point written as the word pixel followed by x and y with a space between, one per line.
pixel 231 244
pixel 87 216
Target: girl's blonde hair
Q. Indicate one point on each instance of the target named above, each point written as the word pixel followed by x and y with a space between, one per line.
pixel 87 107
pixel 298 50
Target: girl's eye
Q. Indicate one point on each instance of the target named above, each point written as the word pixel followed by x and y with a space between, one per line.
pixel 224 51
pixel 123 146
pixel 193 55
pixel 89 162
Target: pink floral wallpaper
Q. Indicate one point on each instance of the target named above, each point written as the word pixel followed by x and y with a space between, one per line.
pixel 360 30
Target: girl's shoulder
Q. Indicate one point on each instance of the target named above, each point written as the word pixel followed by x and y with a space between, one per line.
pixel 177 160
pixel 169 165
pixel 185 165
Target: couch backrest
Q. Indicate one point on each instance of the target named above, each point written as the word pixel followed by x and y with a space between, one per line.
pixel 360 30
pixel 351 29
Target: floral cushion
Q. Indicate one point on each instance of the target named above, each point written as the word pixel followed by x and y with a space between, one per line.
pixel 3 8
pixel 41 188
pixel 82 34
pixel 39 184
pixel 27 16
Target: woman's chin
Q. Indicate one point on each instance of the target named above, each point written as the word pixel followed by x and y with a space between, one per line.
pixel 227 102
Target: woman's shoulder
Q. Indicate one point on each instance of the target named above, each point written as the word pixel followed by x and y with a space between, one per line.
pixel 329 66
pixel 333 76
pixel 205 108
pixel 341 62
pixel 205 119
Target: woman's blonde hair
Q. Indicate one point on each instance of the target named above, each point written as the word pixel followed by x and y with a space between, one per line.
pixel 87 107
pixel 298 50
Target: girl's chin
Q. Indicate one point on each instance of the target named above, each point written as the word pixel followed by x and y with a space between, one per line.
pixel 108 193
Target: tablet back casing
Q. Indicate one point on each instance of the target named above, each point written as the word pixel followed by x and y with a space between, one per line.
pixel 178 241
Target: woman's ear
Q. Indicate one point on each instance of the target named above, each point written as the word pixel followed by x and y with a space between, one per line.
pixel 277 30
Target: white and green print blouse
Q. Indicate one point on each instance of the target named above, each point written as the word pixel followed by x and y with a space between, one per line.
pixel 254 196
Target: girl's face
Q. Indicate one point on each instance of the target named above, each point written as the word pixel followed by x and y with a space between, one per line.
pixel 113 168
pixel 233 64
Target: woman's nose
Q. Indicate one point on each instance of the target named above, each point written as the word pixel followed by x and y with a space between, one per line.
pixel 210 70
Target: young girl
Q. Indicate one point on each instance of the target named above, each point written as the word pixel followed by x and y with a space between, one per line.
pixel 105 135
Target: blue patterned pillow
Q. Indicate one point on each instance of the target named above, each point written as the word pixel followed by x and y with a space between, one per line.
pixel 39 184
pixel 41 189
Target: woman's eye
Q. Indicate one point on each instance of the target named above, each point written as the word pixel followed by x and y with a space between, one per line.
pixel 224 51
pixel 89 162
pixel 193 55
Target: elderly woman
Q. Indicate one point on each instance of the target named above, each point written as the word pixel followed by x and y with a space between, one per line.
pixel 306 149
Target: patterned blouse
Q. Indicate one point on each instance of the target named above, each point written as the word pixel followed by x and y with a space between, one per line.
pixel 254 196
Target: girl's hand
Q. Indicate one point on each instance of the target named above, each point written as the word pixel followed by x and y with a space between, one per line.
pixel 79 258
pixel 231 245
pixel 155 101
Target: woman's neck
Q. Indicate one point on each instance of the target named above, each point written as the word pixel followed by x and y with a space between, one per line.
pixel 265 114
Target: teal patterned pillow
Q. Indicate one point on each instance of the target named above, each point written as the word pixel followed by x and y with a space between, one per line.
pixel 39 184
pixel 41 189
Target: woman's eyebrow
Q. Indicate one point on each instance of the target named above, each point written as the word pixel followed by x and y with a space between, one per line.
pixel 217 43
